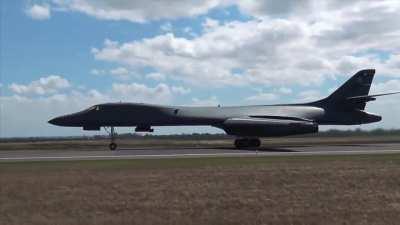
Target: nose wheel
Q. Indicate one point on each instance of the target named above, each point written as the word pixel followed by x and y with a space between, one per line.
pixel 111 132
pixel 247 143
pixel 112 146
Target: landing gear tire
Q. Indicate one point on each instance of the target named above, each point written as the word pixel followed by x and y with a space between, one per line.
pixel 255 142
pixel 112 146
pixel 247 143
pixel 111 132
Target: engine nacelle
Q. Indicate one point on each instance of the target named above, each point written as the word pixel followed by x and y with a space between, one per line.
pixel 268 128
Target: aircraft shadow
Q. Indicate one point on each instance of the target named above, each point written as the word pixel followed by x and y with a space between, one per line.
pixel 182 149
pixel 269 150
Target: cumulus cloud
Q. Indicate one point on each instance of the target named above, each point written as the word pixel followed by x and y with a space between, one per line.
pixel 45 85
pixel 284 42
pixel 97 72
pixel 38 12
pixel 189 30
pixel 142 93
pixel 180 90
pixel 162 93
pixel 274 51
pixel 385 87
pixel 281 8
pixel 155 76
pixel 284 90
pixel 139 10
pixel 121 71
pixel 262 97
pixel 210 24
pixel 211 101
pixel 255 47
pixel 309 95
pixel 166 27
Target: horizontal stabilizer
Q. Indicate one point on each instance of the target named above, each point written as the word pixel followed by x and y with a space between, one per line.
pixel 367 98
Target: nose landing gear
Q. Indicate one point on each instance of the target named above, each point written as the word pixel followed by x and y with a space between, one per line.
pixel 247 143
pixel 113 146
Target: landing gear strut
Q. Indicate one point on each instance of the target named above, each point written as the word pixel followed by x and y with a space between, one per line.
pixel 112 145
pixel 247 143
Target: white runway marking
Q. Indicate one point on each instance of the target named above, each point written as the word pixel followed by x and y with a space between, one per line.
pixel 195 155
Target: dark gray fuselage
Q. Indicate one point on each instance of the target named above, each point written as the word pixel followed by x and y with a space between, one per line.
pixel 345 106
pixel 137 114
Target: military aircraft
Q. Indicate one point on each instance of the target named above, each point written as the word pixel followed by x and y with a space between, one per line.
pixel 345 106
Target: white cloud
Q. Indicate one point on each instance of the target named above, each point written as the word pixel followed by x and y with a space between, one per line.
pixel 136 92
pixel 309 95
pixel 385 87
pixel 189 30
pixel 212 57
pixel 139 10
pixel 285 42
pixel 45 85
pixel 209 24
pixel 262 97
pixel 284 90
pixel 142 93
pixel 120 71
pixel 166 27
pixel 211 101
pixel 180 90
pixel 155 76
pixel 97 72
pixel 38 12
pixel 284 50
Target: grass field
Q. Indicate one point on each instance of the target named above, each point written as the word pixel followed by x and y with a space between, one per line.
pixel 263 190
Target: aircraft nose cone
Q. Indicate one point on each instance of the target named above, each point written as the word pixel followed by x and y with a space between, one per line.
pixel 56 121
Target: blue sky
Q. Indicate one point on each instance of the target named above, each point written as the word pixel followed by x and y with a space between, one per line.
pixel 59 56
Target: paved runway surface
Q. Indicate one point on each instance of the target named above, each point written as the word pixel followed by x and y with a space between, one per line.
pixel 49 155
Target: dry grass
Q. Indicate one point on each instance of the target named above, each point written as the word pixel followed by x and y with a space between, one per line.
pixel 267 190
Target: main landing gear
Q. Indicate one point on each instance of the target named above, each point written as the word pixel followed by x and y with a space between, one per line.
pixel 111 132
pixel 247 143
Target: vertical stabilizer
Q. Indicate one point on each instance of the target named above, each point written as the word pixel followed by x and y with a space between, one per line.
pixel 358 85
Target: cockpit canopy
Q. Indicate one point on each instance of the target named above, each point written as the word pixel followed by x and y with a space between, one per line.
pixel 93 108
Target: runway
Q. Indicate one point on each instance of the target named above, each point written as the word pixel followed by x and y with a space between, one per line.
pixel 148 153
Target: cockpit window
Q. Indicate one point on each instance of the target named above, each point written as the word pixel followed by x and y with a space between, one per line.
pixel 93 108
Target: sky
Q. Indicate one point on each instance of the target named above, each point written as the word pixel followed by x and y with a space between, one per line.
pixel 61 56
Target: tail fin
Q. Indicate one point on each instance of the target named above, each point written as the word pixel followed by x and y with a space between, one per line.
pixel 358 85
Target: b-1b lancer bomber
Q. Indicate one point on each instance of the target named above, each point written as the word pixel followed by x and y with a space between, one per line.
pixel 345 106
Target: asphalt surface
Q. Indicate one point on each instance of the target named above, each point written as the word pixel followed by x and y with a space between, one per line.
pixel 56 155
